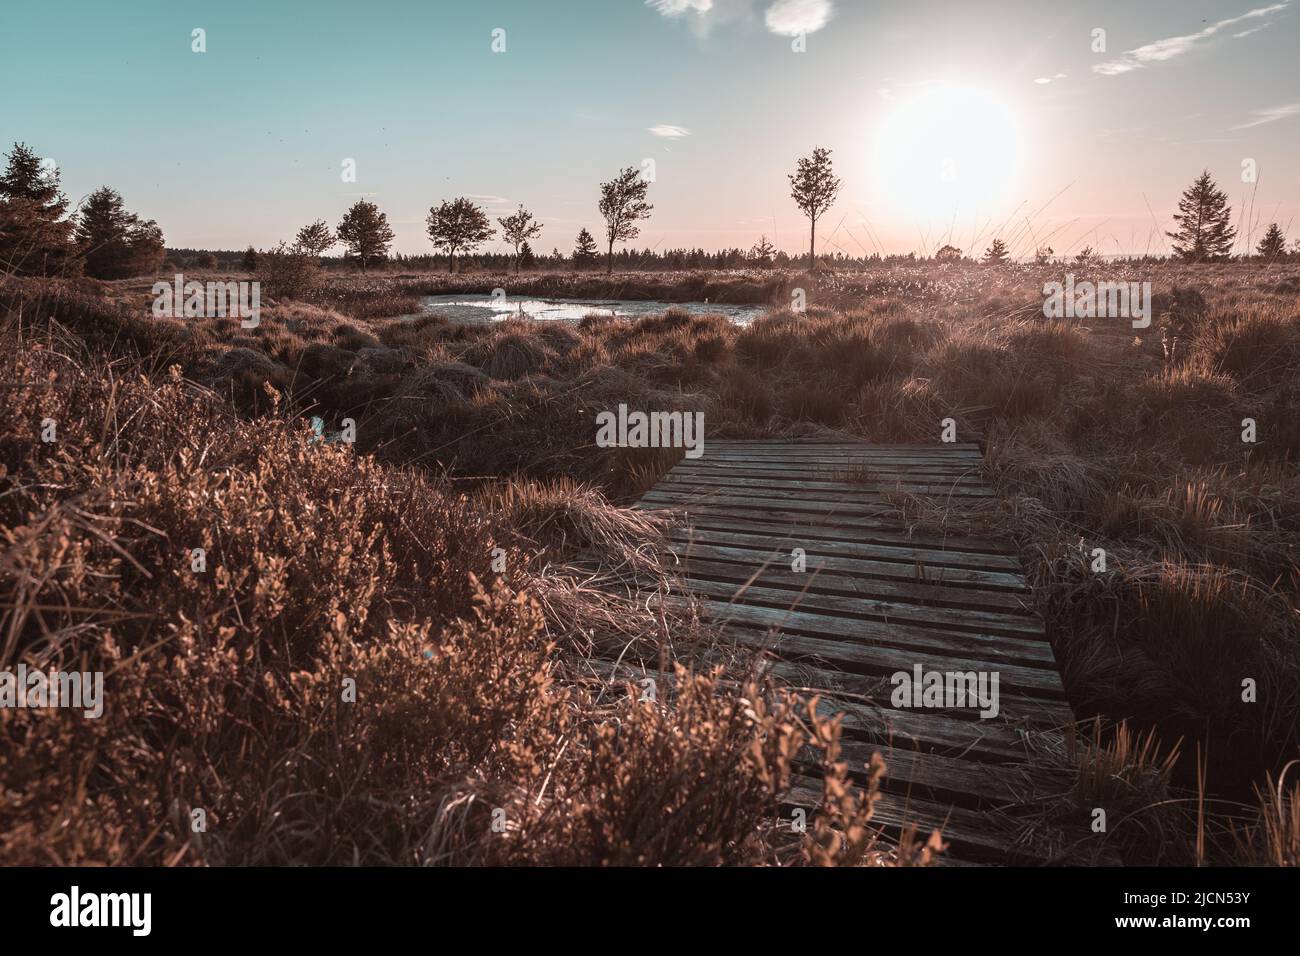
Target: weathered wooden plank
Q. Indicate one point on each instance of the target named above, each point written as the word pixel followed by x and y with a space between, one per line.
pixel 817 621
pixel 870 552
pixel 763 448
pixel 968 783
pixel 827 490
pixel 726 489
pixel 879 532
pixel 970 834
pixel 821 637
pixel 842 460
pixel 842 522
pixel 965 467
pixel 844 481
pixel 847 585
pixel 863 445
pixel 882 659
pixel 762 505
pixel 808 596
pixel 996 739
pixel 897 570
pixel 1016 711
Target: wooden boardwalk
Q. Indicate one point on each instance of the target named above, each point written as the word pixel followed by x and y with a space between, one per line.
pixel 874 599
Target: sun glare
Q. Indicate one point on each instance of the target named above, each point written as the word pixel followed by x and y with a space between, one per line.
pixel 947 150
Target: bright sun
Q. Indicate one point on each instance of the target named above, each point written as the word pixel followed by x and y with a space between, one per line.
pixel 947 149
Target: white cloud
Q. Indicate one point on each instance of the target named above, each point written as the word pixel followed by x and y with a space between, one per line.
pixel 793 17
pixel 1271 114
pixel 675 8
pixel 670 132
pixel 1159 51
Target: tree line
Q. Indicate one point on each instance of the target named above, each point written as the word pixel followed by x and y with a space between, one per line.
pixel 104 240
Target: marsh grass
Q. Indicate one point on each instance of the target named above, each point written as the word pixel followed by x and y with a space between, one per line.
pixel 1096 436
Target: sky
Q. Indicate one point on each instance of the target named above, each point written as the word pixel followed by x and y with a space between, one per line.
pixel 948 121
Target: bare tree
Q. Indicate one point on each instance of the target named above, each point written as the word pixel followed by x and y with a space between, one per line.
pixel 518 229
pixel 458 225
pixel 622 203
pixel 813 187
pixel 365 231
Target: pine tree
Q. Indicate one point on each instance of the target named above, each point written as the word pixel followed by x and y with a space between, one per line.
pixel 996 254
pixel 115 243
pixel 1273 245
pixel 525 259
pixel 249 262
pixel 1204 220
pixel 763 253
pixel 584 250
pixel 35 236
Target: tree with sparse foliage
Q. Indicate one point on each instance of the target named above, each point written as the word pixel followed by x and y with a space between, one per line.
pixel 813 187
pixel 1204 218
pixel 458 225
pixel 763 253
pixel 365 231
pixel 584 250
pixel 996 254
pixel 1086 255
pixel 316 239
pixel 1273 245
pixel 947 253
pixel 517 229
pixel 36 238
pixel 623 204
pixel 1043 255
pixel 114 243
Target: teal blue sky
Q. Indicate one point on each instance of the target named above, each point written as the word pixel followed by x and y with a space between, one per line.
pixel 245 142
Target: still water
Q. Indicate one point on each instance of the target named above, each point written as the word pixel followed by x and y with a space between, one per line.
pixel 485 308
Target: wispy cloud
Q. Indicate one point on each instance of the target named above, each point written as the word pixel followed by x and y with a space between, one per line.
pixel 1044 80
pixel 1159 51
pixel 670 132
pixel 1271 114
pixel 792 17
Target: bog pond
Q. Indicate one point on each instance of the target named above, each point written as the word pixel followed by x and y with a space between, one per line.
pixel 487 308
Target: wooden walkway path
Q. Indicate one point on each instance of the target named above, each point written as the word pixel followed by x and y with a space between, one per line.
pixel 875 599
